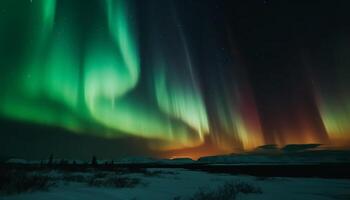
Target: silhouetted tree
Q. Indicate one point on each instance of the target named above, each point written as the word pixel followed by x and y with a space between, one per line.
pixel 63 162
pixel 50 162
pixel 94 161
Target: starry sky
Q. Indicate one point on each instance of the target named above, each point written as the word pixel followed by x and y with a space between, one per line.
pixel 171 78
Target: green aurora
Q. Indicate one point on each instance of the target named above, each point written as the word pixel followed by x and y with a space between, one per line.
pixel 58 83
pixel 172 74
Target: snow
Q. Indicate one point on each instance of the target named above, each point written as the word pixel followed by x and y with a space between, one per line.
pixel 171 183
pixel 16 161
pixel 306 157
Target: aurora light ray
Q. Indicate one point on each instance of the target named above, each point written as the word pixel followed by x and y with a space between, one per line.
pixel 176 88
pixel 331 90
pixel 94 88
pixel 170 73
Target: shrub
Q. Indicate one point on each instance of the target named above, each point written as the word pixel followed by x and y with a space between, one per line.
pixel 228 191
pixel 20 182
pixel 118 182
pixel 74 178
pixel 158 173
pixel 100 175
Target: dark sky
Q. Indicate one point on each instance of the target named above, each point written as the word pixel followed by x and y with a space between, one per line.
pixel 171 78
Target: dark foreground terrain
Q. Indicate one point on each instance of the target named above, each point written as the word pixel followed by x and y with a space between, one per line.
pixel 195 181
pixel 331 170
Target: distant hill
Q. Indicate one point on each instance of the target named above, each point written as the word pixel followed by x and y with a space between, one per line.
pixel 283 157
pixel 266 154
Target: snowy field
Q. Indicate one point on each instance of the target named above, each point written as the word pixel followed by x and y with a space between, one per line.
pixel 179 184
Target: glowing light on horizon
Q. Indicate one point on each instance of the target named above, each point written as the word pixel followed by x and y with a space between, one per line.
pixel 101 77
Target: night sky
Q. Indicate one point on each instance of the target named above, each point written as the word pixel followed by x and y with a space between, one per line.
pixel 171 78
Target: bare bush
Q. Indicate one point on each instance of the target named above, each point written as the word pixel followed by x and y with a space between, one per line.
pixel 74 178
pixel 118 182
pixel 14 182
pixel 227 191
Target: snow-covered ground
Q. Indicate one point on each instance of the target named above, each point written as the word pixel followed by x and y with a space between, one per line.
pixel 170 184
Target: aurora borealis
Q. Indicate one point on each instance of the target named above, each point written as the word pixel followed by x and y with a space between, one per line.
pixel 188 78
